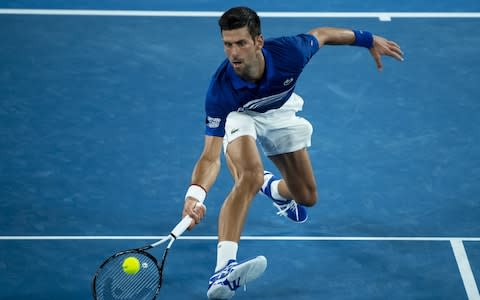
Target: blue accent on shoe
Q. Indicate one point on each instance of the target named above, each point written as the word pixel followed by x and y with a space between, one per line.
pixel 220 276
pixel 287 208
pixel 292 210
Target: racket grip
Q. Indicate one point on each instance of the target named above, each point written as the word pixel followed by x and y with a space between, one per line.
pixel 187 220
pixel 181 227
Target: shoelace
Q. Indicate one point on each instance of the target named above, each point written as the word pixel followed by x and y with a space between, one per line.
pixel 284 208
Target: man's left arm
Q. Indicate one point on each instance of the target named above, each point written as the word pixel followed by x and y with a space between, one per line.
pixel 377 45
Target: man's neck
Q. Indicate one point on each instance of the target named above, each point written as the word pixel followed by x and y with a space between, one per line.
pixel 259 71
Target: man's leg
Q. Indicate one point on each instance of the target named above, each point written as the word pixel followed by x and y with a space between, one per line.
pixel 247 170
pixel 246 167
pixel 298 180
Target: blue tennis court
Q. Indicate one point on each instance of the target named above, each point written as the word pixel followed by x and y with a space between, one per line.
pixel 102 120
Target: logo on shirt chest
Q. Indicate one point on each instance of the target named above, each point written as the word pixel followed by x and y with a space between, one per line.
pixel 288 81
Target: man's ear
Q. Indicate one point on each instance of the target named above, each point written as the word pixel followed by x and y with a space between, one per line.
pixel 259 42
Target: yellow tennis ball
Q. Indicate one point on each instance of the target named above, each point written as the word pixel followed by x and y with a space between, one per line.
pixel 131 265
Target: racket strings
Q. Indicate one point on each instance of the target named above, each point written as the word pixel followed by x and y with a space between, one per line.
pixel 112 283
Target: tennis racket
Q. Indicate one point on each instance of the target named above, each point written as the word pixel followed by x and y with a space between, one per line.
pixel 112 283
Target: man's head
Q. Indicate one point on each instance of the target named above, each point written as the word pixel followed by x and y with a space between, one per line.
pixel 242 40
pixel 238 17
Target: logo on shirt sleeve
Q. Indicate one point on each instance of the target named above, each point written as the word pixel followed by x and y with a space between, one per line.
pixel 213 122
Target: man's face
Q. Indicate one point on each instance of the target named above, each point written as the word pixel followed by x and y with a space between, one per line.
pixel 241 50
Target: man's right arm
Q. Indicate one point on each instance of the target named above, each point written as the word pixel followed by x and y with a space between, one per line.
pixel 204 175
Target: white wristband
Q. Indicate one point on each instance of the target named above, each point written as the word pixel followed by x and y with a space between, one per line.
pixel 196 192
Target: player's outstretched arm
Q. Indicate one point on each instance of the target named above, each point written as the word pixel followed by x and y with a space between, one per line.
pixel 377 45
pixel 204 175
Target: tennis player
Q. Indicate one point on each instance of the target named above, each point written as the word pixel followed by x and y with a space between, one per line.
pixel 252 98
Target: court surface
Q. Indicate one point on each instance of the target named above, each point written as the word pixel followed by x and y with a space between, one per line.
pixel 102 121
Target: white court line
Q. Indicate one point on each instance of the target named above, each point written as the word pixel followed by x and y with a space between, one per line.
pixel 252 238
pixel 465 269
pixel 456 243
pixel 383 16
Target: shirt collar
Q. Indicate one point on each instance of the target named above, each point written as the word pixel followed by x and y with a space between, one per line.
pixel 239 83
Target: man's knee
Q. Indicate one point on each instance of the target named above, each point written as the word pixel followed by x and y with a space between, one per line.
pixel 306 196
pixel 251 179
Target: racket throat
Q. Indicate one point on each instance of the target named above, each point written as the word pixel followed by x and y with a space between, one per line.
pixel 172 239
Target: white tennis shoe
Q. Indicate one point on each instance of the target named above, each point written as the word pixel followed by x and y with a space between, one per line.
pixel 224 283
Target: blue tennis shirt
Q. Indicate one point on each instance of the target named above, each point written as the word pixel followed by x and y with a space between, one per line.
pixel 285 58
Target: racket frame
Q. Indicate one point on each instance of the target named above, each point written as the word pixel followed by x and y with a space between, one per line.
pixel 174 234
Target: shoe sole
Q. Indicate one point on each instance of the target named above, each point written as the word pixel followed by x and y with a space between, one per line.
pixel 247 271
pixel 252 269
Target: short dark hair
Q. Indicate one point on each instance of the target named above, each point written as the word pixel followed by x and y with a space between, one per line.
pixel 238 17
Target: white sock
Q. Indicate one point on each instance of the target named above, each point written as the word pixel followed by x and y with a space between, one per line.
pixel 226 251
pixel 274 190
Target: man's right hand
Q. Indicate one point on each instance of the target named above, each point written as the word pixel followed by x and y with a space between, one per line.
pixel 195 210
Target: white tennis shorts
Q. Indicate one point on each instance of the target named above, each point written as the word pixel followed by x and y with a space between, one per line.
pixel 278 130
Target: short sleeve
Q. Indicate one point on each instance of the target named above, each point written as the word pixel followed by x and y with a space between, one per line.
pixel 308 45
pixel 294 50
pixel 215 116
